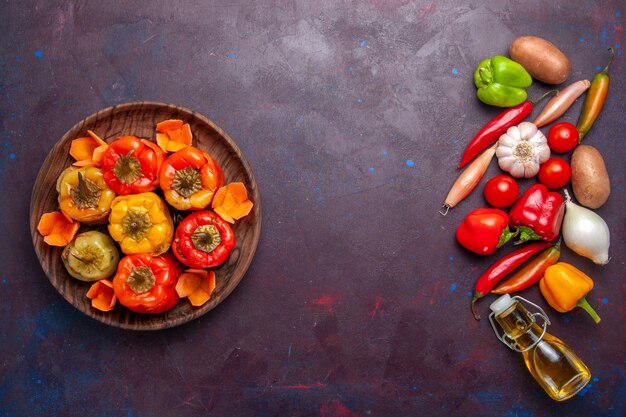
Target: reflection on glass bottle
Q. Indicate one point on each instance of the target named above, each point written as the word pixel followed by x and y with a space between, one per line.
pixel 552 363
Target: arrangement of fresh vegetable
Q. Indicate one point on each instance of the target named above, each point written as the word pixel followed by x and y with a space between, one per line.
pixel 133 187
pixel 523 151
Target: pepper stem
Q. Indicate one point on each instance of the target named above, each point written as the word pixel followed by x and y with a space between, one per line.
pixel 606 69
pixel 582 303
pixel 544 95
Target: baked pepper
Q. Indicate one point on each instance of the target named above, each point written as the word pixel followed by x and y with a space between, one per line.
pixel 147 284
pixel 538 214
pixel 189 179
pixel 203 240
pixel 501 82
pixel 91 256
pixel 141 223
pixel 484 230
pixel 131 165
pixel 564 287
pixel 84 195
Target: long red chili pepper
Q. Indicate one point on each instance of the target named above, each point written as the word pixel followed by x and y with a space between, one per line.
pixel 497 126
pixel 595 99
pixel 530 273
pixel 502 268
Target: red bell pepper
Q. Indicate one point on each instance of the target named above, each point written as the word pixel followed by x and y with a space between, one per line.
pixel 203 240
pixel 484 230
pixel 538 214
pixel 147 284
pixel 131 165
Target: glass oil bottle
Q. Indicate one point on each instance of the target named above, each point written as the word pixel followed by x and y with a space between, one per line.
pixel 552 363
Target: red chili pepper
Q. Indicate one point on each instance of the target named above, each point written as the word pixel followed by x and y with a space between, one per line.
pixel 203 240
pixel 147 284
pixel 530 273
pixel 502 268
pixel 484 230
pixel 497 126
pixel 538 214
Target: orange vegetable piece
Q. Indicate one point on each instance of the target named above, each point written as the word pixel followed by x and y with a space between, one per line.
pixel 189 281
pixel 172 135
pixel 82 148
pixel 88 151
pixel 219 210
pixel 186 134
pixel 167 125
pixel 102 295
pixel 57 229
pixel 231 202
pixel 197 285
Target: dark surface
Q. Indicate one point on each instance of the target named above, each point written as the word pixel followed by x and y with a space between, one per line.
pixel 353 116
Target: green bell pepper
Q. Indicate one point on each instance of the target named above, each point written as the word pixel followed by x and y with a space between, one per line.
pixel 501 82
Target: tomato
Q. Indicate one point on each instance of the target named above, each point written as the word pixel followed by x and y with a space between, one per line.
pixel 563 137
pixel 501 191
pixel 555 173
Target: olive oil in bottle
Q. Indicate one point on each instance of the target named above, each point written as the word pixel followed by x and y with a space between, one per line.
pixel 552 363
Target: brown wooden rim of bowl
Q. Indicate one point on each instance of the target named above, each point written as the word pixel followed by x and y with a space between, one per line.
pixel 107 112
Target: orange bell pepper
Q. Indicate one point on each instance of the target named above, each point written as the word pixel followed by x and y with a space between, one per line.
pixel 564 287
pixel 189 179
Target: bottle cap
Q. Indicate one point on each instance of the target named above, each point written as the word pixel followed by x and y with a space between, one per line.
pixel 502 303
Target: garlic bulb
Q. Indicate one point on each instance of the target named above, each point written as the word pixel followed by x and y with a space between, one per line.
pixel 522 149
pixel 585 232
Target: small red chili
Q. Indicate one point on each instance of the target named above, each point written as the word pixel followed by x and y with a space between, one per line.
pixel 203 240
pixel 530 273
pixel 501 269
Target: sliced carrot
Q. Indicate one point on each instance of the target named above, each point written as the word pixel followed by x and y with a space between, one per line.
pixel 231 202
pixel 82 148
pixel 189 281
pixel 219 210
pixel 241 210
pixel 167 125
pixel 85 163
pixel 102 295
pixel 203 293
pixel 97 138
pixel 57 229
pixel 175 146
pixel 186 134
pixel 162 140
pixel 175 135
pixel 98 153
pixel 218 198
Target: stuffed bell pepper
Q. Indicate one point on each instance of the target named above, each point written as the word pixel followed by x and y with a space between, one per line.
pixel 84 195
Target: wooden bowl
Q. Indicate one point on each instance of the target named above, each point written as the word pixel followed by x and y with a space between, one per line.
pixel 139 119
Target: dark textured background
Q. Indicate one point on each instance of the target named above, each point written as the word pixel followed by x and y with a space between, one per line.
pixel 353 116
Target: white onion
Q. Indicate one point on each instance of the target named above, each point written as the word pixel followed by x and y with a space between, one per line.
pixel 585 232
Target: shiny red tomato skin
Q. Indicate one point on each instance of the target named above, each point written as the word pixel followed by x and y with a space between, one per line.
pixel 563 137
pixel 555 173
pixel 501 191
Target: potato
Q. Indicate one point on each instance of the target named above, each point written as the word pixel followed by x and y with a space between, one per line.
pixel 543 61
pixel 590 180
